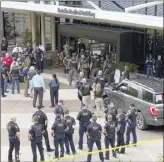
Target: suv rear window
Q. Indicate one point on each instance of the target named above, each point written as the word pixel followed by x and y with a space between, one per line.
pixel 147 96
pixel 159 98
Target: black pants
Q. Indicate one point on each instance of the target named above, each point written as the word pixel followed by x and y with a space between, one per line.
pixel 69 142
pixel 120 141
pixel 38 91
pixel 54 95
pixel 14 144
pixel 39 144
pixel 159 73
pixel 79 96
pixel 39 66
pixel 2 87
pixel 45 135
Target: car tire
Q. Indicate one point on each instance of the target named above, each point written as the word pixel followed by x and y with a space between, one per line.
pixel 140 121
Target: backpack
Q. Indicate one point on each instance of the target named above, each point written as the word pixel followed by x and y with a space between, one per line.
pixel 15 70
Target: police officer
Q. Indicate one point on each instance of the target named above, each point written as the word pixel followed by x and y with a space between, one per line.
pixel 73 64
pixel 131 124
pixel 70 122
pixel 84 65
pixel 35 136
pixel 111 110
pixel 83 117
pixel 121 125
pixel 59 109
pixel 66 65
pixel 100 79
pixel 43 120
pixel 79 83
pixel 95 65
pixel 58 130
pixel 94 131
pixel 14 139
pixel 109 132
pixel 86 94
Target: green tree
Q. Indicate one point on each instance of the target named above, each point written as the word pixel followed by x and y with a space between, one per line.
pixel 26 37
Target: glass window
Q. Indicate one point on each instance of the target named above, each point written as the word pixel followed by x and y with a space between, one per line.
pixel 147 96
pixel 132 92
pixel 159 98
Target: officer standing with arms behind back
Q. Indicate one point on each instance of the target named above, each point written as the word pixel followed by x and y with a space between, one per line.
pixel 70 122
pixel 94 131
pixel 14 139
pixel 42 119
pixel 109 132
pixel 131 124
pixel 58 132
pixel 35 136
pixel 83 117
pixel 121 125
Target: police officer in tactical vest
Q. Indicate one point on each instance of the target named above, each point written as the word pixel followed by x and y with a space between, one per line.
pixel 95 65
pixel 121 125
pixel 94 131
pixel 66 65
pixel 109 132
pixel 83 117
pixel 43 120
pixel 14 139
pixel 131 124
pixel 58 130
pixel 111 110
pixel 84 65
pixel 35 136
pixel 79 83
pixel 70 122
pixel 73 64
pixel 59 109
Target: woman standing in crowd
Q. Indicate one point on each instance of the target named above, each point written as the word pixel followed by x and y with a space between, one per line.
pixel 98 100
pixel 31 73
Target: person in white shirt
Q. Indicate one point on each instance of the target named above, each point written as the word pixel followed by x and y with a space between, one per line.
pixel 17 51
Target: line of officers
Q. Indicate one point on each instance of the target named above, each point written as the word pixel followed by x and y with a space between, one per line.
pixel 62 131
pixel 90 64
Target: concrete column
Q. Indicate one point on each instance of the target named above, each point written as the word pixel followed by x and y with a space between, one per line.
pixel 43 29
pixel 53 26
pixel 29 22
pixel 33 27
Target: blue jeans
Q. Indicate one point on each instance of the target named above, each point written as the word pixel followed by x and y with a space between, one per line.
pixel 5 85
pixel 149 71
pixel 131 128
pixel 15 80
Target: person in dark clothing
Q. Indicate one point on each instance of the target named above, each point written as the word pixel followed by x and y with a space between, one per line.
pixel 150 66
pixel 2 86
pixel 4 46
pixel 35 136
pixel 131 124
pixel 39 58
pixel 81 46
pixel 43 120
pixel 158 67
pixel 58 109
pixel 14 139
pixel 54 90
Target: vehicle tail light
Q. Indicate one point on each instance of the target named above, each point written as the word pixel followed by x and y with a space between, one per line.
pixel 153 111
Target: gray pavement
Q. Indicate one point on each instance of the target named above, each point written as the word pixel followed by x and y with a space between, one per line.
pixel 21 107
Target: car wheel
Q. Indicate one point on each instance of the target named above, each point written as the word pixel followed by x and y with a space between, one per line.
pixel 140 121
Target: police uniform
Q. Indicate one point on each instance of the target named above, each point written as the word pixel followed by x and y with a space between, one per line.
pixel 101 81
pixel 73 69
pixel 39 57
pixel 59 110
pixel 94 136
pixel 110 128
pixel 95 65
pixel 84 117
pixel 79 83
pixel 84 66
pixel 42 119
pixel 59 127
pixel 14 142
pixel 70 121
pixel 121 125
pixel 111 111
pixel 86 94
pixel 54 91
pixel 35 136
pixel 131 126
